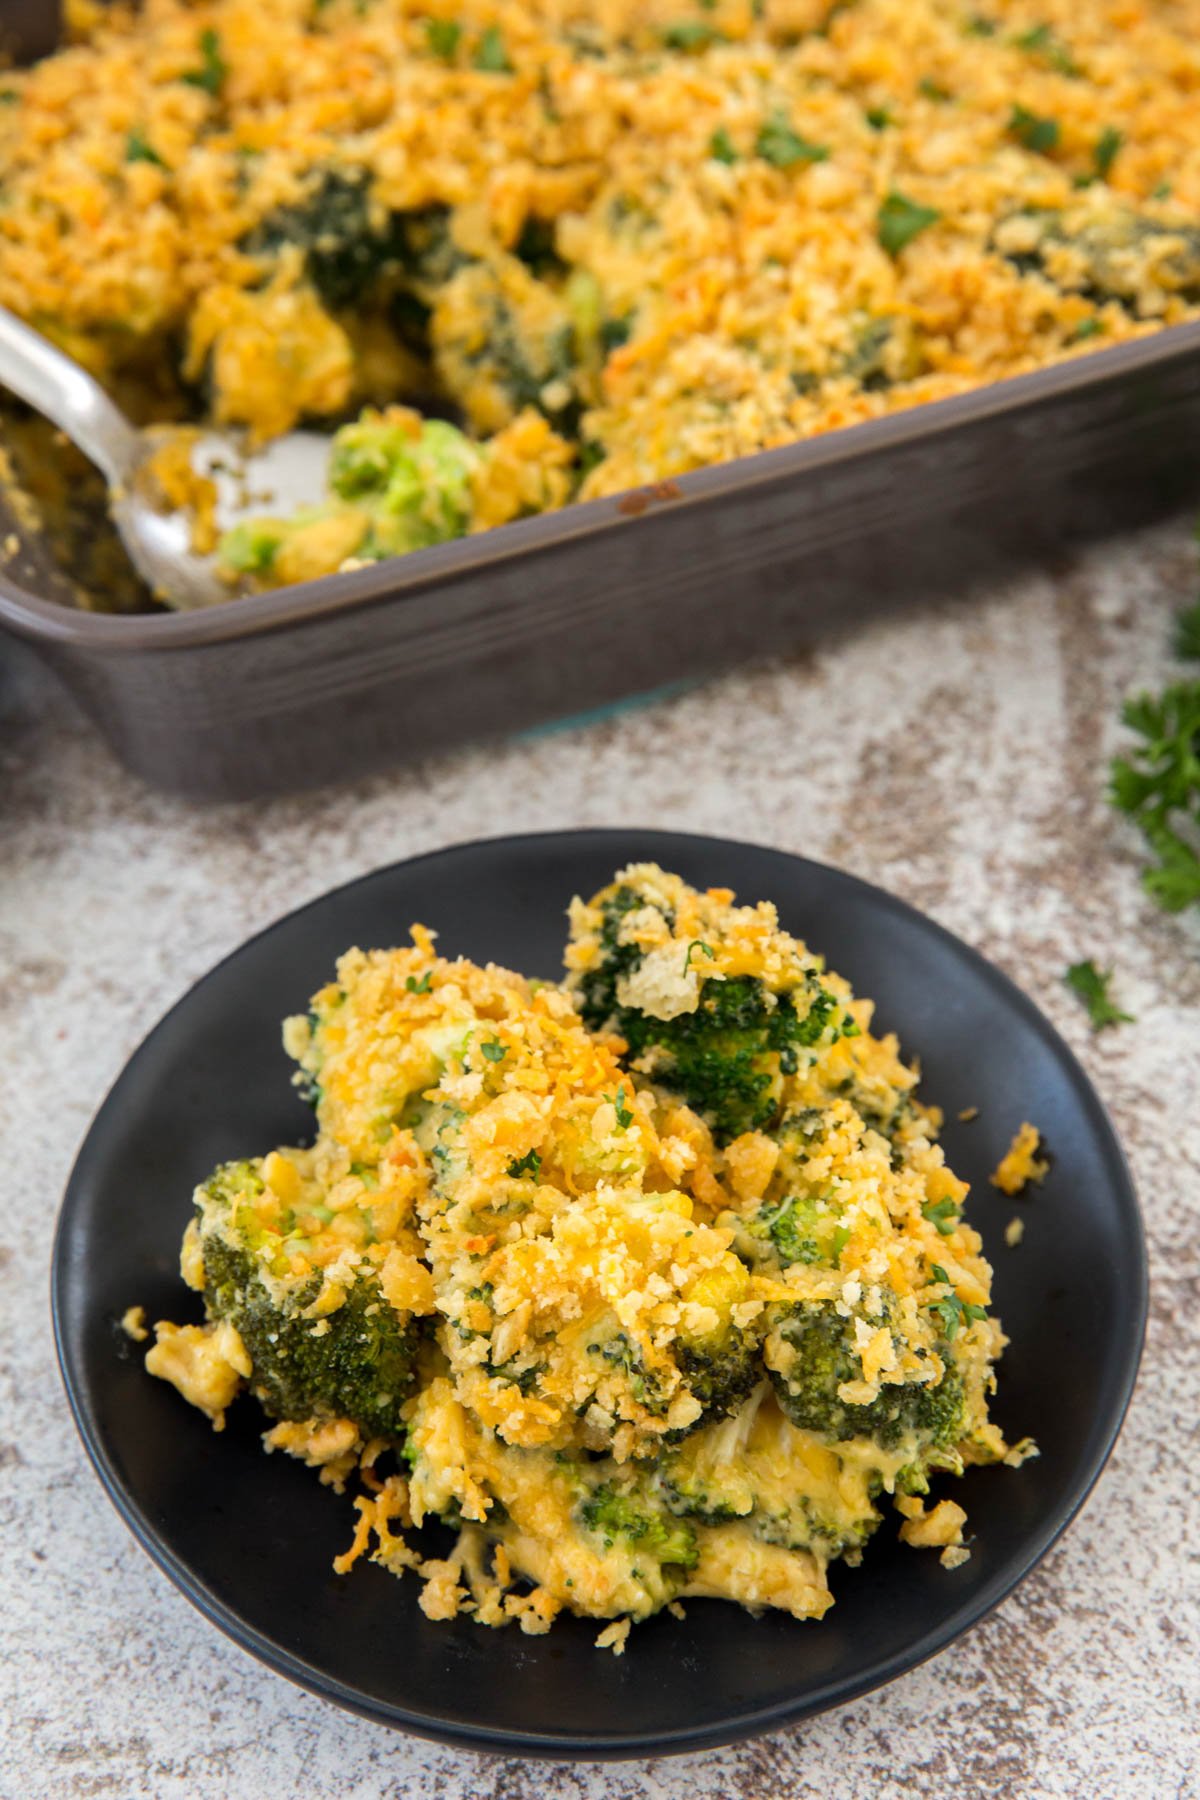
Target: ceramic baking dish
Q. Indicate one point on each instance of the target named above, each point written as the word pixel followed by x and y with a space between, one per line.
pixel 560 614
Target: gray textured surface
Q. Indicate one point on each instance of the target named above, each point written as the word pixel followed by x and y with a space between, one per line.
pixel 956 757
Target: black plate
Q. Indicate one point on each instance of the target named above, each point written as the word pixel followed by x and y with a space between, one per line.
pixel 249 1539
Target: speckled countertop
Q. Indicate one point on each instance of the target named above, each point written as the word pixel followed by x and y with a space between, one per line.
pixel 956 756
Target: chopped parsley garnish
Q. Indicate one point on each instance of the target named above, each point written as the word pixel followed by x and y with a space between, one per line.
pixel 624 1116
pixel 442 36
pixel 1091 985
pixel 688 35
pixel 138 148
pixel 900 220
pixel 720 146
pixel 784 148
pixel 9 96
pixel 529 1164
pixel 419 987
pixel 1037 134
pixel 878 118
pixel 978 26
pixel 933 90
pixel 1105 152
pixel 942 1213
pixel 490 54
pixel 1186 643
pixel 1086 328
pixel 1043 43
pixel 494 1051
pixel 213 67
pixel 692 949
pixel 1158 785
pixel 952 1311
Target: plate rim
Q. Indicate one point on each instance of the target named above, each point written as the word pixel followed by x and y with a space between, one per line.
pixel 677 1741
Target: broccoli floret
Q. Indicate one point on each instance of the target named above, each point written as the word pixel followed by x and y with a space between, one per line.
pixel 792 1225
pixel 885 351
pixel 621 1352
pixel 726 1058
pixel 251 547
pixel 347 244
pixel 632 1518
pixel 799 1228
pixel 412 476
pixel 821 1358
pixel 721 1365
pixel 1114 255
pixel 720 1370
pixel 802 1526
pixel 504 340
pixel 356 1363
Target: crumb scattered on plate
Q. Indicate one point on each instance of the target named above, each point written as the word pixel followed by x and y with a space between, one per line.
pixel 1021 1163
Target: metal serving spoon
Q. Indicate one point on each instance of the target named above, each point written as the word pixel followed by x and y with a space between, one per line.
pixel 285 474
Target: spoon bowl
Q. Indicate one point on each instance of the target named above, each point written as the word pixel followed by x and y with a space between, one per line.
pixel 279 477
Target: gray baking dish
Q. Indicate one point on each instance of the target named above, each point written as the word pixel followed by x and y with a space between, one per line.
pixel 563 613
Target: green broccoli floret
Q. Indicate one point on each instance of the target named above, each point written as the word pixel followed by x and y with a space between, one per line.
pixel 528 350
pixel 347 243
pixel 251 547
pixel 726 1058
pixel 1114 255
pixel 619 1351
pixel 791 1225
pixel 416 485
pixel 866 362
pixel 721 1365
pixel 408 487
pixel 800 1228
pixel 719 1368
pixel 803 1526
pixel 720 1371
pixel 632 1518
pixel 693 1497
pixel 821 1358
pixel 357 1363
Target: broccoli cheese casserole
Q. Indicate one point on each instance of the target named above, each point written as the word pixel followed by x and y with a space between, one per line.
pixel 651 1285
pixel 560 248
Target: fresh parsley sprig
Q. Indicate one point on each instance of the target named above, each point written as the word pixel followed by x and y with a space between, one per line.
pixel 210 75
pixel 942 1213
pixel 1158 785
pixel 1187 634
pixel 952 1311
pixel 529 1164
pixel 1091 984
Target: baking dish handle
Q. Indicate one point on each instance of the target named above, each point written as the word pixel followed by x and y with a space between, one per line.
pixel 33 369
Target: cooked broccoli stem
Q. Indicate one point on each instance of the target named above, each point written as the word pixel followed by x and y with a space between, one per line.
pixel 822 1359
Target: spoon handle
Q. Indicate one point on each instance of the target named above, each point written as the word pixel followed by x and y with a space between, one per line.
pixel 32 368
